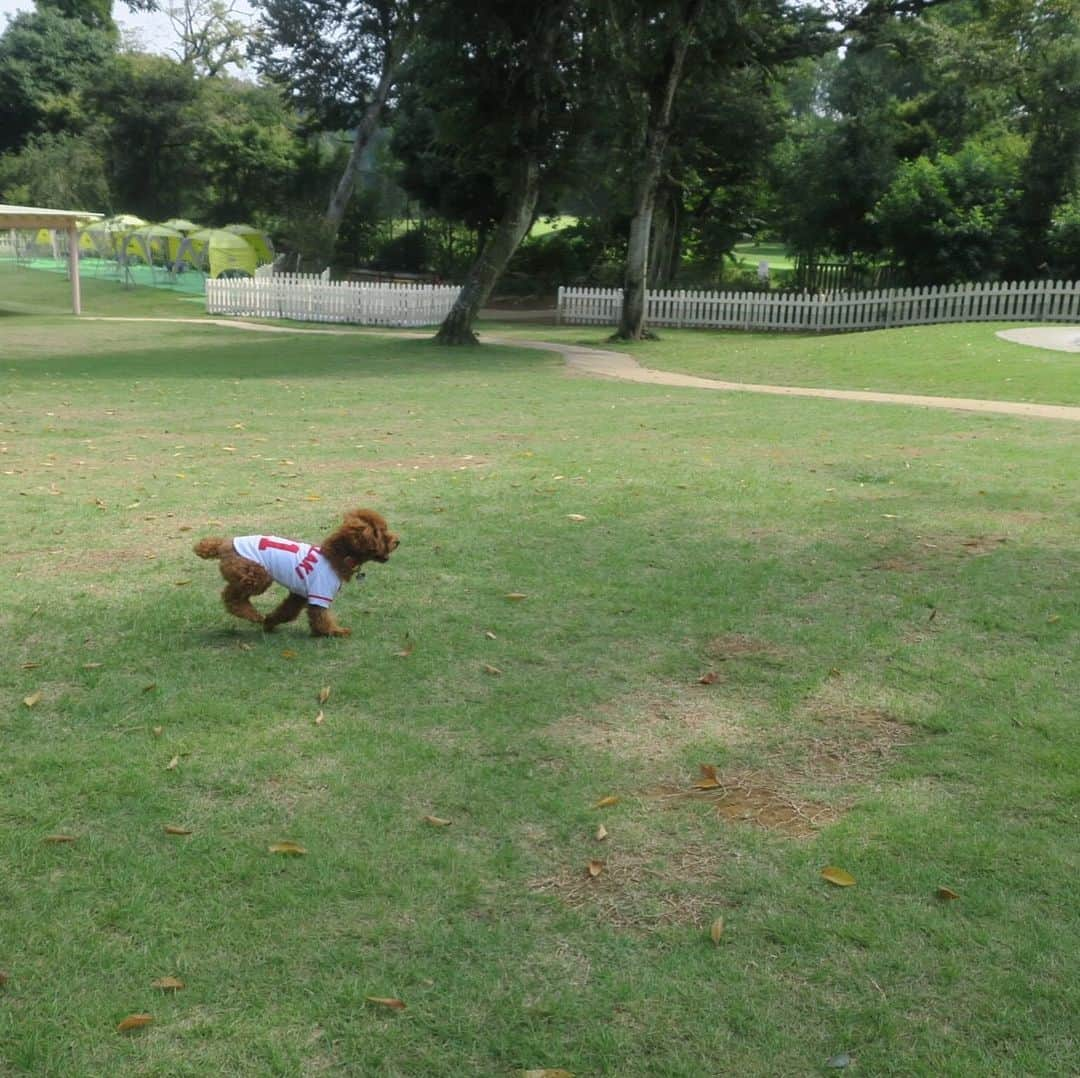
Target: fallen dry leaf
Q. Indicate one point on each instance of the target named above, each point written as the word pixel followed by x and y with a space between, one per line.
pixel 134 1021
pixel 288 653
pixel 91 666
pixel 158 731
pixel 437 821
pixel 58 840
pixel 947 894
pixel 708 780
pixel 383 1001
pixel 151 687
pixel 173 764
pixel 3 978
pixel 594 868
pixel 33 699
pixel 837 876
pixel 601 833
pixel 180 583
pixel 168 984
pixel 574 516
pixel 320 719
pixel 489 669
pixel 515 595
pixel 490 635
pixel 324 694
pixel 604 802
pixel 717 930
pixel 405 652
pixel 709 679
pixel 293 849
pixel 175 829
pixel 29 666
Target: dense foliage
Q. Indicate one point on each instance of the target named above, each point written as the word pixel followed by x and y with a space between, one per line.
pixel 941 139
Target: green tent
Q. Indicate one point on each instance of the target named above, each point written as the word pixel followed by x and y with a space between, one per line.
pixel 218 253
pixel 258 240
pixel 181 224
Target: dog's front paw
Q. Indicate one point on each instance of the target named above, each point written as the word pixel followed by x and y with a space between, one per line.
pixel 341 631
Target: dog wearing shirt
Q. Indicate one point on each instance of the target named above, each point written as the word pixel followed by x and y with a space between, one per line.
pixel 312 574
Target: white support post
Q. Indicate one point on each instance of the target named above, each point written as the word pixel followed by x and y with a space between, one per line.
pixel 73 267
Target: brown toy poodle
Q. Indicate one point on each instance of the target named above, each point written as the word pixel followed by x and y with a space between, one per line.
pixel 313 574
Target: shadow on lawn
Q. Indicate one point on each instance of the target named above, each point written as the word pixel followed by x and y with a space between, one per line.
pixel 286 357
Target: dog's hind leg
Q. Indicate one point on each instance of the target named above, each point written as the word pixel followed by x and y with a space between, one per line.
pixel 289 609
pixel 237 601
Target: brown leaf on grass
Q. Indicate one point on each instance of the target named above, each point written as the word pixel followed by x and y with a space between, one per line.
pixel 176 829
pixel 837 876
pixel 384 1001
pixel 158 731
pixel 708 780
pixel 91 666
pixel 605 802
pixel 516 595
pixel 711 678
pixel 29 666
pixel 405 652
pixel 320 719
pixel 324 694
pixel 151 687
pixel 437 821
pixel 293 849
pixel 180 583
pixel 575 517
pixel 33 699
pixel 947 894
pixel 134 1021
pixel 717 930
pixel 601 833
pixel 288 653
pixel 3 977
pixel 489 669
pixel 173 764
pixel 168 984
pixel 490 635
pixel 58 840
pixel 594 868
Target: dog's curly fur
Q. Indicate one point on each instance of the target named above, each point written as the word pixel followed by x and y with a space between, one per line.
pixel 363 536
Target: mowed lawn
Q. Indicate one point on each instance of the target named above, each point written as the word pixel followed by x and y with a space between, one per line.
pixel 749 637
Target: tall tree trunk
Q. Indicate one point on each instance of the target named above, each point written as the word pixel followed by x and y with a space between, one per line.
pixel 632 323
pixel 365 129
pixel 498 248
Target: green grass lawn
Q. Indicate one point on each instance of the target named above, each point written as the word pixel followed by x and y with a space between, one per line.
pixel 864 618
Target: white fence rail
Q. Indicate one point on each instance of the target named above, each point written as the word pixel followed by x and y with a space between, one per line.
pixel 1035 301
pixel 312 298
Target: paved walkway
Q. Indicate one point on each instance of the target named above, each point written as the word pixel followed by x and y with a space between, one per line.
pixel 604 364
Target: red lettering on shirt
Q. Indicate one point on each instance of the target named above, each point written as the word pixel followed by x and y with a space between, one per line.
pixel 265 542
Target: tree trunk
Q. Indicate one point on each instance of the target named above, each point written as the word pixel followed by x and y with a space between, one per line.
pixel 365 129
pixel 632 323
pixel 497 250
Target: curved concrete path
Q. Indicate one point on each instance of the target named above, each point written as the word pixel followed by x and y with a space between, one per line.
pixel 604 364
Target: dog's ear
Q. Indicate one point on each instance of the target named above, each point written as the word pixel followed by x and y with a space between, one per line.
pixel 361 529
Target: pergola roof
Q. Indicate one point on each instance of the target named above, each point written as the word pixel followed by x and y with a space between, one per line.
pixel 37 217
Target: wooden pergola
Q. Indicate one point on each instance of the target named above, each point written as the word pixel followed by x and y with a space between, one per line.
pixel 34 217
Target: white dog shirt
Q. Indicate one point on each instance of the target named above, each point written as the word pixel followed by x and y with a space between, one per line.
pixel 300 567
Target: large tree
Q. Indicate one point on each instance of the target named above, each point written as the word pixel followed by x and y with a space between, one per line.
pixel 340 61
pixel 494 84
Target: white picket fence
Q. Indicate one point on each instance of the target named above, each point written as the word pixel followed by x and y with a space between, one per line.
pixel 313 298
pixel 1034 301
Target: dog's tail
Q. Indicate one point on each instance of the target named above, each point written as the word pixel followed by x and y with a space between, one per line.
pixel 213 547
